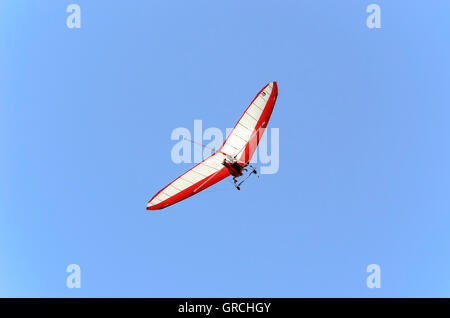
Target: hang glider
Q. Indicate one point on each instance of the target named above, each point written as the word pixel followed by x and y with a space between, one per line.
pixel 231 159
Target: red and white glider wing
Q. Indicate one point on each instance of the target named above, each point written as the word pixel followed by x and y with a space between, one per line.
pixel 245 136
pixel 241 144
pixel 203 175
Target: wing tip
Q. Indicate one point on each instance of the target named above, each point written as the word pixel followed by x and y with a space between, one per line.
pixel 274 84
pixel 152 206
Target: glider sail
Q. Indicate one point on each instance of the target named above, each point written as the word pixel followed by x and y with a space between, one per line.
pixel 240 144
pixel 243 139
pixel 203 175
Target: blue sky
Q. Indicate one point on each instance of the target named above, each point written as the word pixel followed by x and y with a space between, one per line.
pixel 85 122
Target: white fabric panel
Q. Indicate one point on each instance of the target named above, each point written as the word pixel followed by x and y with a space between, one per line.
pixel 197 172
pixel 242 132
pixel 248 121
pixel 254 111
pixel 246 126
pixel 259 102
pixel 192 177
pixel 215 161
pixel 200 172
pixel 162 196
pixel 236 142
pixel 154 201
pixel 204 170
pixel 229 150
pixel 181 184
pixel 170 190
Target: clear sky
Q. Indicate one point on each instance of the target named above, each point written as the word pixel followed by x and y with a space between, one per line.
pixel 85 122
